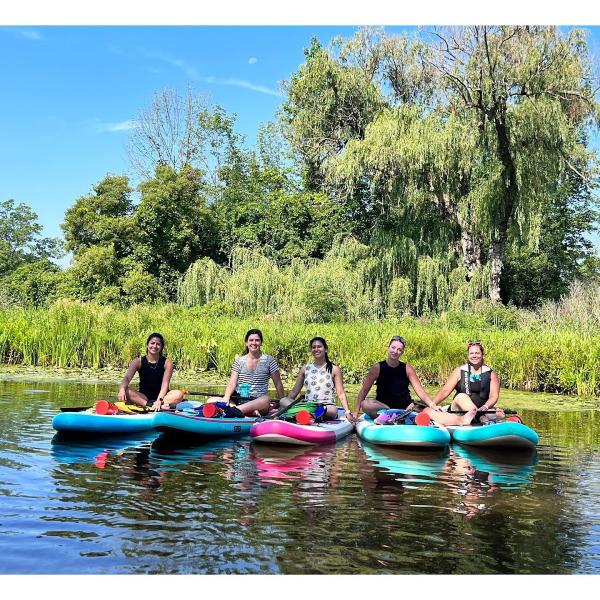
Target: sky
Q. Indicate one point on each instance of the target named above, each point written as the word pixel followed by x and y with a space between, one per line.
pixel 69 93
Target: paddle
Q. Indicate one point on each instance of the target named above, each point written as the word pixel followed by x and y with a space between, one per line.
pixel 507 411
pixel 208 394
pixel 282 411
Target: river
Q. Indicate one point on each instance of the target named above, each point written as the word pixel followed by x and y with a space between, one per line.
pixel 134 505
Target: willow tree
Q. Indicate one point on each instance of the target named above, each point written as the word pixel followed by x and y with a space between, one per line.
pixel 528 91
pixel 469 140
pixel 328 104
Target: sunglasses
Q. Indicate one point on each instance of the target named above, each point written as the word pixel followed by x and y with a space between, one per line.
pixel 469 344
pixel 398 338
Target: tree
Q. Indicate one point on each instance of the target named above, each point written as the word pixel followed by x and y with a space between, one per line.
pixel 328 104
pixel 176 131
pixel 174 225
pixel 529 92
pixel 466 148
pixel 102 218
pixel 20 240
pixel 31 284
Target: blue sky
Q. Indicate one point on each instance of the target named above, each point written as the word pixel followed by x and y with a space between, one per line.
pixel 68 94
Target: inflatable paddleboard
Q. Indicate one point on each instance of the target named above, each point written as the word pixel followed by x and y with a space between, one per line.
pixel 277 431
pixel 433 436
pixel 504 434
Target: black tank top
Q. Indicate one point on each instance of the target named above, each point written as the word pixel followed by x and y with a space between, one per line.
pixel 151 376
pixel 475 386
pixel 392 385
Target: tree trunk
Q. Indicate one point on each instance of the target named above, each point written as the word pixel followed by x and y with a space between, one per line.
pixel 496 263
pixel 508 203
pixel 471 249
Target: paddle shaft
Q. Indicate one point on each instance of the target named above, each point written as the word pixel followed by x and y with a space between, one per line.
pixel 281 411
pixel 187 393
pixel 507 411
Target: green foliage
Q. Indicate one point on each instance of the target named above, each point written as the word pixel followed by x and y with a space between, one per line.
pixel 174 226
pixel 532 356
pixel 32 284
pixel 101 218
pixel 20 240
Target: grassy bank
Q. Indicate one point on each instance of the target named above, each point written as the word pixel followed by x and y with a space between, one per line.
pixel 529 352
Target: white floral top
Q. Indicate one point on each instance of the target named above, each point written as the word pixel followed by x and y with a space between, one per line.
pixel 319 384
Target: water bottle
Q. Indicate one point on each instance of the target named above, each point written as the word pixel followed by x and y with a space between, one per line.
pixel 245 390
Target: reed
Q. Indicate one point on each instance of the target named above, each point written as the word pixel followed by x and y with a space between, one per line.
pixel 541 352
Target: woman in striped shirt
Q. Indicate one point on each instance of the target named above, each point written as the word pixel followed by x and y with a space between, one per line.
pixel 249 381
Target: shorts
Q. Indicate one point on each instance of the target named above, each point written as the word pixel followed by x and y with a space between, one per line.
pixel 237 399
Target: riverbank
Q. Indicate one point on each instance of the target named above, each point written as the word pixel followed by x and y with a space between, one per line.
pixel 106 381
pixel 534 355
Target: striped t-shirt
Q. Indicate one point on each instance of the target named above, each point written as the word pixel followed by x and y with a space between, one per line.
pixel 258 379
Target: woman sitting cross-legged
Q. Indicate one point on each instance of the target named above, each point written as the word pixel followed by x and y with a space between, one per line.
pixel 323 380
pixel 477 386
pixel 249 380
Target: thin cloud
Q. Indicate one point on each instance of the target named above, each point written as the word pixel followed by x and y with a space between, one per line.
pixel 248 85
pixel 192 73
pixel 252 60
pixel 28 34
pixel 188 69
pixel 115 127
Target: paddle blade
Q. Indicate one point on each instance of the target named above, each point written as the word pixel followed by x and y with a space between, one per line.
pixel 102 407
pixel 422 419
pixel 303 417
pixel 320 411
pixel 209 410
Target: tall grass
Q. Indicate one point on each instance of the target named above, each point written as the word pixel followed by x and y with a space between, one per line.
pixel 554 349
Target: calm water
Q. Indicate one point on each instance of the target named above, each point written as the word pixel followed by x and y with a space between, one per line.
pixel 135 505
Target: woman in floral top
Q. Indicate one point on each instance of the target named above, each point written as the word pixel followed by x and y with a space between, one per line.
pixel 323 380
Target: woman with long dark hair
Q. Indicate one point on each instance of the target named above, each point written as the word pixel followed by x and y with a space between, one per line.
pixel 323 380
pixel 155 371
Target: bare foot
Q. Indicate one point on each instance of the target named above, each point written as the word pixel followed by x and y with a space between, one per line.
pixel 469 416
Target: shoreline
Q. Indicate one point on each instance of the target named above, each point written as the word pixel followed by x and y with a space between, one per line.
pixel 520 399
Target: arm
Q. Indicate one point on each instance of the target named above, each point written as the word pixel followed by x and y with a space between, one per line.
pixel 448 386
pixel 298 385
pixel 338 380
pixel 494 392
pixel 164 388
pixel 368 382
pixel 134 367
pixel 233 378
pixel 416 384
pixel 276 377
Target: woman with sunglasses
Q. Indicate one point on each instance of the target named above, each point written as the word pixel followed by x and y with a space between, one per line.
pixel 392 379
pixel 477 386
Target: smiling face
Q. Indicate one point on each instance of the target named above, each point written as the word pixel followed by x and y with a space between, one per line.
pixel 253 342
pixel 318 349
pixel 154 346
pixel 395 350
pixel 475 355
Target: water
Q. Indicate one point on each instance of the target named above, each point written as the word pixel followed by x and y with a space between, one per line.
pixel 134 505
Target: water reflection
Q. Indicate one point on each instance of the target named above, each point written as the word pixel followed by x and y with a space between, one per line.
pixel 409 466
pixel 497 466
pixel 138 504
pixel 277 463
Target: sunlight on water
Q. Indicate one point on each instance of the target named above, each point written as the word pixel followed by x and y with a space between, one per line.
pixel 140 504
